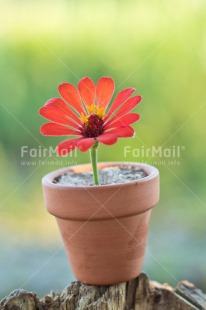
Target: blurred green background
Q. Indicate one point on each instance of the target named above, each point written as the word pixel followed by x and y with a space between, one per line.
pixel 158 47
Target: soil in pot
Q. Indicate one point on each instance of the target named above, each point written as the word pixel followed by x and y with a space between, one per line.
pixel 108 175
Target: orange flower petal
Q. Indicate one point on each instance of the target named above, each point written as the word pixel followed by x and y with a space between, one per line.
pixel 57 110
pixel 104 91
pixel 87 91
pixel 122 132
pixel 120 98
pixel 70 94
pixel 67 146
pixel 126 107
pixel 124 120
pixel 53 129
pixel 85 144
pixel 107 138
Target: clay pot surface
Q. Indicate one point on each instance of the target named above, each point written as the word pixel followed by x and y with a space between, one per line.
pixel 104 228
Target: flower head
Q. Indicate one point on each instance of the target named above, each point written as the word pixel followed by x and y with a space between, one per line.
pixel 85 113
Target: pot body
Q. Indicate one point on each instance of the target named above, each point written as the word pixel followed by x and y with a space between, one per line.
pixel 104 228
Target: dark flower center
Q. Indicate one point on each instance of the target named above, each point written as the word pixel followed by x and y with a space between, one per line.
pixel 93 127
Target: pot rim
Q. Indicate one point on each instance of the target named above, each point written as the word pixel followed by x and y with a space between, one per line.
pixel 151 171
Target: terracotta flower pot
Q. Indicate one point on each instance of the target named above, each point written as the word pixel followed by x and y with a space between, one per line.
pixel 104 228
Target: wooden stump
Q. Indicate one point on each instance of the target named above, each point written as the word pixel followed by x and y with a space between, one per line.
pixel 139 294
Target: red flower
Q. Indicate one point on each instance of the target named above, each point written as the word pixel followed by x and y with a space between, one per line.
pixel 85 113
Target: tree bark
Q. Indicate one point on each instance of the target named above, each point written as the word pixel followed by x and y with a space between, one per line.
pixel 138 294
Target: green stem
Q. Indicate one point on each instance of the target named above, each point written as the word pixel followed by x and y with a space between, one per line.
pixel 93 156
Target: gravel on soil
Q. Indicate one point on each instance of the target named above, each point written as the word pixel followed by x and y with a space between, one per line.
pixel 108 175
